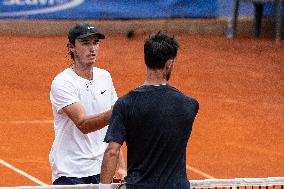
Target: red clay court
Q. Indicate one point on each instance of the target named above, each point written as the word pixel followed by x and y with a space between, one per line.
pixel 239 84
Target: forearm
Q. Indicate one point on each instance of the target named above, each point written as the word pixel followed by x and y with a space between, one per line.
pixel 109 166
pixel 87 123
pixel 94 122
pixel 122 171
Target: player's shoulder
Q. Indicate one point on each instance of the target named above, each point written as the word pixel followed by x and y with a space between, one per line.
pixel 183 95
pixel 65 75
pixel 127 98
pixel 133 93
pixel 100 71
pixel 63 80
pixel 187 100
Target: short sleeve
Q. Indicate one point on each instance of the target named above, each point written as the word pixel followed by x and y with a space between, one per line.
pixel 113 93
pixel 117 131
pixel 62 93
pixel 196 106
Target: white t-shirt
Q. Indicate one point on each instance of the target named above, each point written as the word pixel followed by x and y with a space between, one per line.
pixel 74 154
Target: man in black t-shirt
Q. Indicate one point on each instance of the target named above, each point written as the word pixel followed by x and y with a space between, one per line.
pixel 155 120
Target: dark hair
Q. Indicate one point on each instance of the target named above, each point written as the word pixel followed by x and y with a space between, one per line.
pixel 158 49
pixel 70 52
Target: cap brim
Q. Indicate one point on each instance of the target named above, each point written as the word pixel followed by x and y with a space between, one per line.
pixel 100 35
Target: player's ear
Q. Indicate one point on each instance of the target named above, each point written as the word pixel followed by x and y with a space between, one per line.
pixel 169 63
pixel 70 46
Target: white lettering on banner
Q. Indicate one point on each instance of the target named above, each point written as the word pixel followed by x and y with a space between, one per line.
pixel 13 2
pixel 32 2
pixel 58 5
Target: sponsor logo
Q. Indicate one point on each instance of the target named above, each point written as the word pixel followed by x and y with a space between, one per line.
pixel 33 7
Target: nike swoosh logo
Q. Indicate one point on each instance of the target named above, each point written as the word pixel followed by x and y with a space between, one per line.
pixel 102 92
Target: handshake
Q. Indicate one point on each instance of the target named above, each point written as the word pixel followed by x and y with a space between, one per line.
pixel 115 181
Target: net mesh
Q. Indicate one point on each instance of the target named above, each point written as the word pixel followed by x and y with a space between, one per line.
pixel 237 183
pixel 240 183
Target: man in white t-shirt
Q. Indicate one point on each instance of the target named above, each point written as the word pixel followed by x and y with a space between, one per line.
pixel 82 97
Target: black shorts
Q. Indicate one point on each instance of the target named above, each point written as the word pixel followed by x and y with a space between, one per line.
pixel 95 179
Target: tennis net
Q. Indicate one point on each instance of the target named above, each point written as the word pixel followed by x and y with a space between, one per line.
pixel 237 183
pixel 240 183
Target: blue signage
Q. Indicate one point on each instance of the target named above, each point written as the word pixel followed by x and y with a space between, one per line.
pixel 106 9
pixel 24 8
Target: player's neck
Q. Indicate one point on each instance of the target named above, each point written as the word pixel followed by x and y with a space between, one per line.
pixel 85 72
pixel 155 77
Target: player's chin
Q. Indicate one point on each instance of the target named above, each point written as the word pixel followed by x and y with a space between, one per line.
pixel 92 61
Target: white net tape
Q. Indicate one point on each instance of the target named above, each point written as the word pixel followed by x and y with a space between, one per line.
pixel 207 183
pixel 237 182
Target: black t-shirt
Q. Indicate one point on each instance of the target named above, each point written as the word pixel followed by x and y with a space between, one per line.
pixel 155 122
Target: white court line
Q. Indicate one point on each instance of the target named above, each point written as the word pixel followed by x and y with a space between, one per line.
pixel 27 122
pixel 22 173
pixel 199 172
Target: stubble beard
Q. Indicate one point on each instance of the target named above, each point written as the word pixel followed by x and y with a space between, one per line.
pixel 87 63
pixel 168 76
